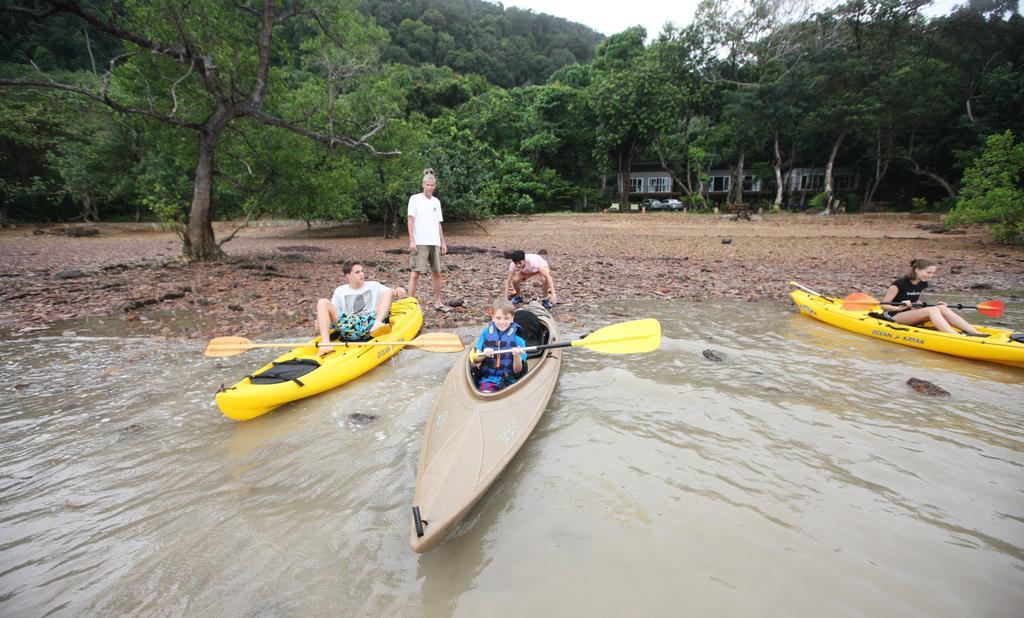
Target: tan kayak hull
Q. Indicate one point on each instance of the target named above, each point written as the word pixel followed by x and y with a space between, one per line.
pixel 471 436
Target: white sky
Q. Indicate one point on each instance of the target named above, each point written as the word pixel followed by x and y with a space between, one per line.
pixel 611 16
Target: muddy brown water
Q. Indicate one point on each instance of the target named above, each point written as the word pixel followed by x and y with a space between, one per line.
pixel 798 476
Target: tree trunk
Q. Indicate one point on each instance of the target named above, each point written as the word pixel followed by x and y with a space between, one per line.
pixel 938 179
pixel 739 177
pixel 881 167
pixel 90 212
pixel 624 169
pixel 673 173
pixel 828 171
pixel 198 242
pixel 390 212
pixel 777 166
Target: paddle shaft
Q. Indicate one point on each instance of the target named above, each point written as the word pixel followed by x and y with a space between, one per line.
pixel 924 304
pixel 299 344
pixel 562 344
pixel 533 348
pixel 806 289
pixel 430 342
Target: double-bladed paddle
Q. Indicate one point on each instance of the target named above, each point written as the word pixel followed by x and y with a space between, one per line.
pixel 860 302
pixel 634 337
pixel 430 342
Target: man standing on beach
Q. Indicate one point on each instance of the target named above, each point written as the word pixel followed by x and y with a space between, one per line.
pixel 426 238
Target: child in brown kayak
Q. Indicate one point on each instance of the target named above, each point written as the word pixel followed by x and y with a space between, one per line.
pixel 500 354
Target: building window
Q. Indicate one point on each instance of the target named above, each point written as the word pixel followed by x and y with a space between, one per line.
pixel 659 184
pixel 720 184
pixel 751 183
pixel 812 182
pixel 846 182
pixel 636 185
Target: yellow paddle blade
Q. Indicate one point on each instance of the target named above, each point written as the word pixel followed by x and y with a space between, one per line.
pixel 633 337
pixel 436 342
pixel 227 346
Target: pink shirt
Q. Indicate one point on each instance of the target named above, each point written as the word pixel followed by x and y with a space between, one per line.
pixel 532 265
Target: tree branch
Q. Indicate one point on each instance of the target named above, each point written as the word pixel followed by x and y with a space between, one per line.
pixel 102 98
pixel 932 175
pixel 331 140
pixel 180 52
pixel 174 87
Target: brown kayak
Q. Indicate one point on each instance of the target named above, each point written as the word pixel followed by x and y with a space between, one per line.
pixel 471 436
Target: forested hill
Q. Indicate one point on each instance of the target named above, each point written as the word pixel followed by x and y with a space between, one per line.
pixel 509 46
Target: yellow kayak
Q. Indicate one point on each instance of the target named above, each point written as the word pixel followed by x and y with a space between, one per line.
pixel 998 347
pixel 301 373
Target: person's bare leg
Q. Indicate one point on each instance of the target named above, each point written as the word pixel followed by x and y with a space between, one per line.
pixel 917 316
pixel 954 318
pixel 413 278
pixel 326 314
pixel 517 284
pixel 437 290
pixel 383 308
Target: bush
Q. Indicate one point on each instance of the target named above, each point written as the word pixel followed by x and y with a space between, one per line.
pixel 992 192
pixel 851 201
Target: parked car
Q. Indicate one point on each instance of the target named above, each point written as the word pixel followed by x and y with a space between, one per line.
pixel 672 204
pixel 651 204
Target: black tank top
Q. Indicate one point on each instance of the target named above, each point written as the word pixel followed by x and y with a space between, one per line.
pixel 907 290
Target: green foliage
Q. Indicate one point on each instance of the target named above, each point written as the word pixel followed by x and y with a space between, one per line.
pixel 819 201
pixel 509 47
pixel 992 190
pixel 518 112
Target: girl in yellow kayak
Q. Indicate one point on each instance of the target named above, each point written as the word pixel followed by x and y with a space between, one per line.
pixel 898 302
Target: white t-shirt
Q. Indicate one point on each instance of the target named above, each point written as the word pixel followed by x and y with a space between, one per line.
pixel 532 264
pixel 358 302
pixel 426 215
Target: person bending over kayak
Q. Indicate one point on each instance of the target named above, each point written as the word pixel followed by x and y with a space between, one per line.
pixel 358 308
pixel 897 304
pixel 523 266
pixel 497 370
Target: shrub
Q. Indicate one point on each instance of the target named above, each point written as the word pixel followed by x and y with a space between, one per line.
pixel 992 192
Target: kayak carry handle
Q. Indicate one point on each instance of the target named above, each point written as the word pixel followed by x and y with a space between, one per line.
pixel 416 519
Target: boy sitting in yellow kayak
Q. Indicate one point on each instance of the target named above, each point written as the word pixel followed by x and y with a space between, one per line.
pixel 358 309
pixel 499 350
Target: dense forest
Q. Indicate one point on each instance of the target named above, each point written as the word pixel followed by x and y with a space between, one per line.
pixel 190 110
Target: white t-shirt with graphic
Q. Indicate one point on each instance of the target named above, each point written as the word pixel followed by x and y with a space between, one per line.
pixel 357 302
pixel 426 215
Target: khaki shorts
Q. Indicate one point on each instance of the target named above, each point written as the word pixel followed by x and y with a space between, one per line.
pixel 426 256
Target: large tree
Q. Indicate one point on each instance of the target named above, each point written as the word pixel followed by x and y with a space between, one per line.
pixel 202 65
pixel 628 97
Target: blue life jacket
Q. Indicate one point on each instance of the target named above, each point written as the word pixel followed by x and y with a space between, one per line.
pixel 498 367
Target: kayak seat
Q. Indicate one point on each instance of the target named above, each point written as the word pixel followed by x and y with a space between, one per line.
pixel 287 371
pixel 880 316
pixel 532 330
pixel 1018 337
